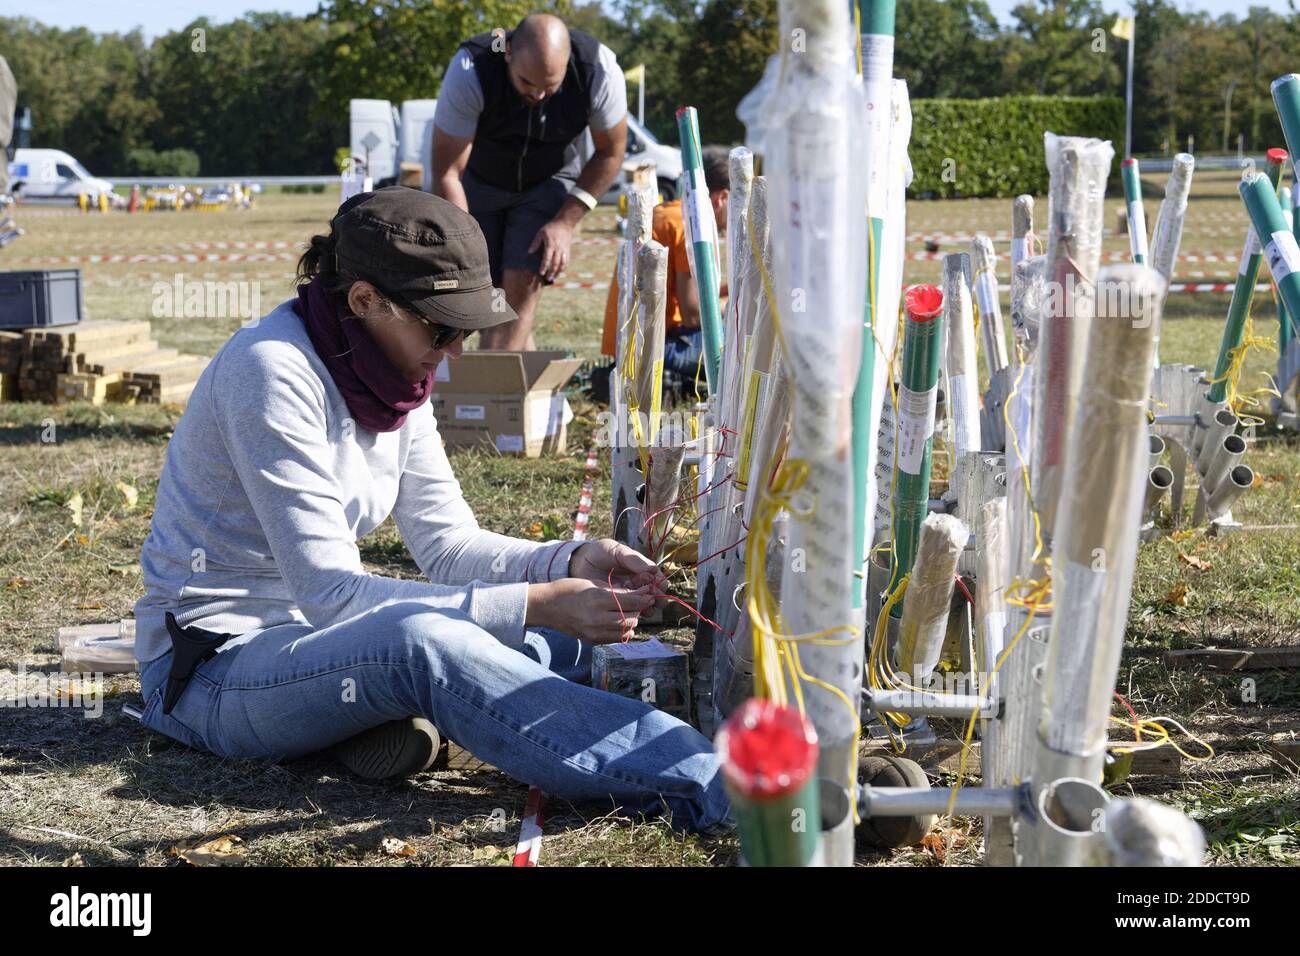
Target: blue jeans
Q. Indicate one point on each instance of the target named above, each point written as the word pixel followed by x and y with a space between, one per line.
pixel 682 353
pixel 289 690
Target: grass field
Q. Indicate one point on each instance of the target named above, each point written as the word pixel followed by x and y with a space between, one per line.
pixel 107 791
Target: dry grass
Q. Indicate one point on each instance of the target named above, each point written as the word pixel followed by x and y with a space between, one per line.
pixel 116 794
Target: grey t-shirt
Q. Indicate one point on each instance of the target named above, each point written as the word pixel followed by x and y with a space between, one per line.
pixel 461 99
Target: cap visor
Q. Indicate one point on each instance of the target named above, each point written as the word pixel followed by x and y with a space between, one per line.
pixel 471 309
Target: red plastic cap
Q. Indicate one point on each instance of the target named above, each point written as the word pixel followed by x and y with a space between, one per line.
pixel 681 110
pixel 924 302
pixel 767 750
pixel 1129 162
pixel 1277 155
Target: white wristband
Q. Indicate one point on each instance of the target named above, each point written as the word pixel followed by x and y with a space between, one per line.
pixel 584 197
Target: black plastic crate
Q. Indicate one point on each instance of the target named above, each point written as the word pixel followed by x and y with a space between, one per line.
pixel 39 299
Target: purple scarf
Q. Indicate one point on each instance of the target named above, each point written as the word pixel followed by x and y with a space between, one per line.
pixel 377 395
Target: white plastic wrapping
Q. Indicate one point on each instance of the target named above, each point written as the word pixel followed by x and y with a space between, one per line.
pixel 926 604
pixel 816 200
pixel 1079 168
pixel 1100 513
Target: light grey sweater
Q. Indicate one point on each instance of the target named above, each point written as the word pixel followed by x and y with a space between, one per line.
pixel 268 484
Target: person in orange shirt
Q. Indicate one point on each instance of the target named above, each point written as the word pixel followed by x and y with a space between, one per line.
pixel 682 343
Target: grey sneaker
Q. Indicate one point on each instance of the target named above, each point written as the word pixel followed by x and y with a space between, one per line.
pixel 398 748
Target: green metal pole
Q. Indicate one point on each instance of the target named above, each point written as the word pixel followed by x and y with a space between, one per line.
pixel 1280 249
pixel 769 762
pixel 1243 291
pixel 922 343
pixel 876 34
pixel 703 254
pixel 1137 219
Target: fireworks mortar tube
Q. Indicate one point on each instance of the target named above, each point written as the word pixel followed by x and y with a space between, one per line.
pixel 1079 168
pixel 1097 536
pixel 1280 248
pixel 1284 330
pixel 963 381
pixel 703 234
pixel 917 394
pixel 818 236
pixel 1168 232
pixel 1286 97
pixel 876 65
pixel 1243 292
pixel 769 765
pixel 984 261
pixel 926 604
pixel 1137 217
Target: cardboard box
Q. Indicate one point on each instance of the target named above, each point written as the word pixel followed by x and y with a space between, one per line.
pixel 511 401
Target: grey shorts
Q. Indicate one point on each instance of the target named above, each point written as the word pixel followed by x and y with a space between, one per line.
pixel 510 220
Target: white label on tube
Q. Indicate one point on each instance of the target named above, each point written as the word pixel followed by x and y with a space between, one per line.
pixel 915 426
pixel 698 208
pixel 878 59
pixel 1250 249
pixel 1137 229
pixel 1283 255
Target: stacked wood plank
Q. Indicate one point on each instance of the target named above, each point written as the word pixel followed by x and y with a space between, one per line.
pixel 11 354
pixel 101 361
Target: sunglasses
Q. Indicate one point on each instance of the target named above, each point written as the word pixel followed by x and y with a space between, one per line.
pixel 443 335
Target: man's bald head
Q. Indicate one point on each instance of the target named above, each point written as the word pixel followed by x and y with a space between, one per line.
pixel 538 56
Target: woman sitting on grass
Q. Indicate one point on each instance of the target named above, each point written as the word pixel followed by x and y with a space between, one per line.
pixel 304 433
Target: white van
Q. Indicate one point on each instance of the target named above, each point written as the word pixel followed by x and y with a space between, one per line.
pixel 52 175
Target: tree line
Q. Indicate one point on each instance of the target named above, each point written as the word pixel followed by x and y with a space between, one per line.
pixel 268 93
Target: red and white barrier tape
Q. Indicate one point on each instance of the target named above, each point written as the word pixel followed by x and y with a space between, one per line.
pixel 530 833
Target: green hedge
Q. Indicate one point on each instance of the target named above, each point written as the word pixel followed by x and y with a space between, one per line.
pixel 994 147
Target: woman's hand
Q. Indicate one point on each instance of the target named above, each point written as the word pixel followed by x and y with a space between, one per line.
pixel 607 561
pixel 591 612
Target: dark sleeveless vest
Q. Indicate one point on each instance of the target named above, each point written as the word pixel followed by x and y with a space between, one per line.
pixel 517 146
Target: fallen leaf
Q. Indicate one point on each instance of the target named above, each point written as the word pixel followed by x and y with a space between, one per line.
pixel 90 607
pixel 934 843
pixel 1276 478
pixel 82 539
pixel 75 505
pixel 223 851
pixel 1259 481
pixel 395 847
pixel 1179 595
pixel 16 583
pixel 128 569
pixel 1180 536
pixel 129 494
pixel 1192 561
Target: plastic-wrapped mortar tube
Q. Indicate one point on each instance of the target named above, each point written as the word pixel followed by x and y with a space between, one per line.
pixel 1097 534
pixel 984 261
pixel 917 395
pixel 963 375
pixel 1284 330
pixel 1168 232
pixel 1079 168
pixel 818 234
pixel 928 599
pixel 1022 230
pixel 769 763
pixel 703 233
pixel 872 161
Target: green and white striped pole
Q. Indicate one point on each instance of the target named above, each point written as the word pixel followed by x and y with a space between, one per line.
pixel 704 242
pixel 917 393
pixel 1280 248
pixel 1243 291
pixel 876 63
pixel 1137 217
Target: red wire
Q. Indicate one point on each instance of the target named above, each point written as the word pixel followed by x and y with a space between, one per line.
pixel 716 553
pixel 1137 727
pixel 966 591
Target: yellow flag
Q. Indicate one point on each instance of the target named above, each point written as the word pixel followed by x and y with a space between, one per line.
pixel 636 74
pixel 1123 28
